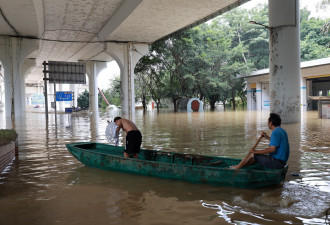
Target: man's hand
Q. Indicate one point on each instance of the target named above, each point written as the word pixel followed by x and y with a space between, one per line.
pixel 265 135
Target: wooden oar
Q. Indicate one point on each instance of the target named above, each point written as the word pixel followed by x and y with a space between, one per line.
pixel 248 154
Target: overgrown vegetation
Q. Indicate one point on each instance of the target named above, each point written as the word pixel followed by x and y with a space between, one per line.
pixel 6 136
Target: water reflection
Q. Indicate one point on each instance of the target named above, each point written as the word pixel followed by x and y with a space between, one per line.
pixel 46 185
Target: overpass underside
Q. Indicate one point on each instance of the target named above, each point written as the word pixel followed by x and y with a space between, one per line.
pixel 125 37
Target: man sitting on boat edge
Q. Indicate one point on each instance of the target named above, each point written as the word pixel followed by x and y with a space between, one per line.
pixel 133 138
pixel 277 154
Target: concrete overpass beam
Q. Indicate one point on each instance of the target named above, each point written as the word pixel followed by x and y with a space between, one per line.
pixel 127 56
pixel 284 59
pixel 118 18
pixel 13 52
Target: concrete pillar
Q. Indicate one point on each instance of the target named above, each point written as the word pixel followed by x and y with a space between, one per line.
pixel 127 55
pixel 284 59
pixel 27 66
pixel 258 96
pixel 13 52
pixel 309 92
pixel 93 69
pixel 303 93
pixel 1 88
pixel 74 89
pixel 60 104
pixel 39 87
pixel 265 105
pixel 51 96
pixel 29 100
pixel 249 97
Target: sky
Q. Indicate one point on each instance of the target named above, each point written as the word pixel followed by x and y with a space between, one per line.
pixel 108 74
pixel 113 70
pixel 309 4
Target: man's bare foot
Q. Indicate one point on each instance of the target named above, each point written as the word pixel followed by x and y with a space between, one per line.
pixel 234 167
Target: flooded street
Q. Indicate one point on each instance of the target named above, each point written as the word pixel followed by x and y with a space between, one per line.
pixel 47 185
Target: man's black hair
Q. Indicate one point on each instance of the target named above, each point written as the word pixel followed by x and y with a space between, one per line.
pixel 116 118
pixel 275 119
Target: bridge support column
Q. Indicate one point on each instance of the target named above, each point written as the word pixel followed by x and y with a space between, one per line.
pixel 27 66
pixel 127 55
pixel 258 96
pixel 93 69
pixel 13 52
pixel 303 93
pixel 74 89
pixel 284 59
pixel 60 104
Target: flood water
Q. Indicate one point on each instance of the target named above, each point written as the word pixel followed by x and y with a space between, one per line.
pixel 46 185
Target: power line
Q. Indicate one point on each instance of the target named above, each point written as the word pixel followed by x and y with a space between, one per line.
pixel 66 41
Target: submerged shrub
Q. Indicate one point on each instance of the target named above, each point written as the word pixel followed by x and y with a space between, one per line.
pixel 6 136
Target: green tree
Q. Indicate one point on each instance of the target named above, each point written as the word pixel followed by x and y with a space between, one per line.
pixel 150 77
pixel 314 37
pixel 83 100
pixel 112 95
pixel 216 45
pixel 141 88
pixel 234 58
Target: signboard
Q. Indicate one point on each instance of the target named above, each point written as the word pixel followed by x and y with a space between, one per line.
pixel 67 72
pixel 63 96
pixel 68 110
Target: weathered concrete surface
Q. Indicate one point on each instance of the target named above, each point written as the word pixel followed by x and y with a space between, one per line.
pixel 284 59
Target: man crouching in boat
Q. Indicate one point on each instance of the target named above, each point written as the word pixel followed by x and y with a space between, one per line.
pixel 277 154
pixel 133 138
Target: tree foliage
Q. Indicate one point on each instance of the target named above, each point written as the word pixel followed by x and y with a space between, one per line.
pixel 314 37
pixel 111 94
pixel 83 100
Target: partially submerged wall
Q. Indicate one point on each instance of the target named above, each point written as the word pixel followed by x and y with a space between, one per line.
pixel 7 154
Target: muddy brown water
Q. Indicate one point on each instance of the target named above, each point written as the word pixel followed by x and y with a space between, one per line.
pixel 47 186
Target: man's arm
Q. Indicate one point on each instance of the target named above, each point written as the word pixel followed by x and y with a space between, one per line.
pixel 268 150
pixel 117 136
pixel 118 129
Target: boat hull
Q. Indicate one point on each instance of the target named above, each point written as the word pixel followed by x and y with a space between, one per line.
pixel 187 167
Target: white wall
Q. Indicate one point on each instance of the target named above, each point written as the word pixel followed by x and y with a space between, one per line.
pixel 265 100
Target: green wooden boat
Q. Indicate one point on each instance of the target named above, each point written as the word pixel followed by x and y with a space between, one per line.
pixel 192 168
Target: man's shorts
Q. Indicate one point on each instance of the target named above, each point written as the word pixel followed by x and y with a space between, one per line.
pixel 269 161
pixel 133 142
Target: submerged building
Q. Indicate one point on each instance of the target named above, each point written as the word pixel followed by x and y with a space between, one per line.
pixel 314 81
